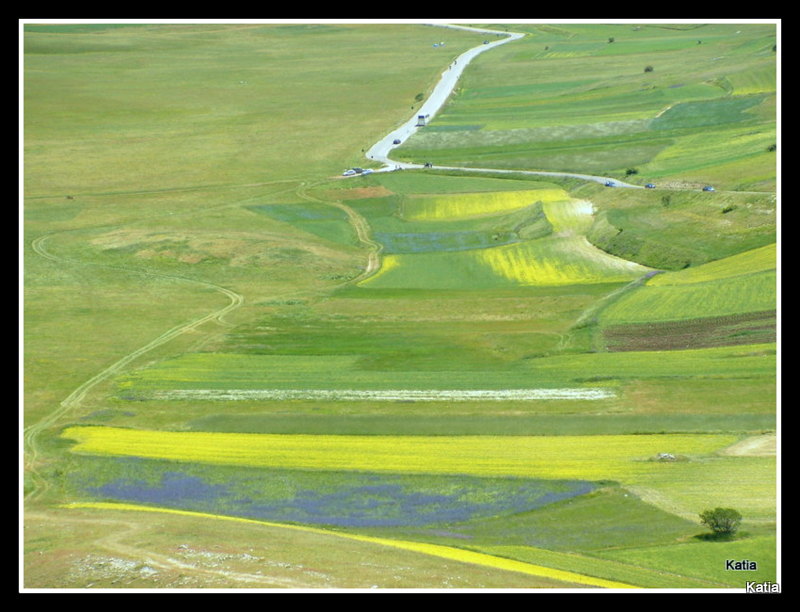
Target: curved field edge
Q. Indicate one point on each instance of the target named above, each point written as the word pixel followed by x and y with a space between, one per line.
pixel 445 552
pixel 761 259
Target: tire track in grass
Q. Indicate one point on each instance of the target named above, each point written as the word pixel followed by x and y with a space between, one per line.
pixel 363 233
pixel 38 483
pixel 114 543
pixel 75 398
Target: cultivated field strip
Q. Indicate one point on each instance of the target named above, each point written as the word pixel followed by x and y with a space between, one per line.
pixel 621 457
pixel 471 205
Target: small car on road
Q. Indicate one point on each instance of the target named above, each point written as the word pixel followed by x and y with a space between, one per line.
pixel 396 141
pixel 708 188
pixel 610 184
pixel 650 186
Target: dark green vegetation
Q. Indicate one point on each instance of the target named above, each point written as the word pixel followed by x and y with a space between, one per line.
pixel 172 171
pixel 722 521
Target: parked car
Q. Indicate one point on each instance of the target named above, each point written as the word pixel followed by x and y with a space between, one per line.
pixel 610 184
pixel 396 141
pixel 650 186
pixel 349 172
pixel 708 188
pixel 367 171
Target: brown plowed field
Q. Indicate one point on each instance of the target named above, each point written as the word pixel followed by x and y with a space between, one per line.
pixel 748 328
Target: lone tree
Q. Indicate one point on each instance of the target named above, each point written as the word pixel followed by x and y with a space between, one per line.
pixel 722 521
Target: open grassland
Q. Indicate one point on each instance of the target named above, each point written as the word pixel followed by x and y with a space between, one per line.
pixel 673 230
pixel 200 105
pixel 639 574
pixel 551 576
pixel 243 370
pixel 708 559
pixel 145 547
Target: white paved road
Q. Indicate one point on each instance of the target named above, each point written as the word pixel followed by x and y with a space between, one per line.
pixel 382 149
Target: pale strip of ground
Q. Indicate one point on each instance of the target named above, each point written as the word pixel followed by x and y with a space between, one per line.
pixel 755 446
pixel 434 395
pixel 445 552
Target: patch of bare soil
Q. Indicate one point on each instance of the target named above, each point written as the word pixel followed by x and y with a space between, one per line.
pixel 748 328
pixel 360 193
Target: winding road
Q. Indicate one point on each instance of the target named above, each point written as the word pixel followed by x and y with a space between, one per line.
pixel 382 149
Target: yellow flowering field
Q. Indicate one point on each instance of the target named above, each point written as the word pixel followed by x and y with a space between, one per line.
pixel 619 457
pixel 460 206
pixel 436 550
pixel 562 260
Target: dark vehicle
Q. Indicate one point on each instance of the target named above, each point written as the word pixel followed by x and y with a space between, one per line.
pixel 396 141
pixel 650 186
pixel 610 184
pixel 708 188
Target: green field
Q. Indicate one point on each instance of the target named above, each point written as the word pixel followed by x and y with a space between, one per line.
pixel 705 102
pixel 243 370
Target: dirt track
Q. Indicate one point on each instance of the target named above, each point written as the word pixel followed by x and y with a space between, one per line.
pixel 765 445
